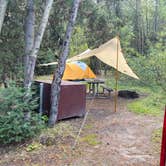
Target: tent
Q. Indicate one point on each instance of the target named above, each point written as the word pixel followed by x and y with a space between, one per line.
pixel 77 71
pixel 110 53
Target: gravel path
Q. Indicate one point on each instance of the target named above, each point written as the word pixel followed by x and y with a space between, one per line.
pixel 126 138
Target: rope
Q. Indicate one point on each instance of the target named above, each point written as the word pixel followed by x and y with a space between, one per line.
pixel 82 125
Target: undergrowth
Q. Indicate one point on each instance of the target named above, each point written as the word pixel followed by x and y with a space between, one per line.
pixel 15 128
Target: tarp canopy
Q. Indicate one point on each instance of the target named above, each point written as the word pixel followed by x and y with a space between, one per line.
pixel 77 71
pixel 110 53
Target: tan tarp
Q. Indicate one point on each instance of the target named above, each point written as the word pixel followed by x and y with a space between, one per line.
pixel 107 53
pixel 84 55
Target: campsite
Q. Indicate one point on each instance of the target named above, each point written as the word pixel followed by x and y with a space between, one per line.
pixel 105 139
pixel 83 83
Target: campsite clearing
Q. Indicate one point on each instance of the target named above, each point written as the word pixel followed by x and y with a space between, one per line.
pixel 108 138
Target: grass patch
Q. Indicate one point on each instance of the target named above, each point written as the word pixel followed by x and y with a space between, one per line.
pixel 33 146
pixel 91 139
pixel 151 105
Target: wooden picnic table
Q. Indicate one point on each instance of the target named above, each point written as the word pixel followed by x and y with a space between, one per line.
pixel 93 86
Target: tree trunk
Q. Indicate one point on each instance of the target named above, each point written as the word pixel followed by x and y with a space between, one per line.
pixel 138 26
pixel 3 6
pixel 38 39
pixel 147 20
pixel 156 16
pixel 117 8
pixel 55 89
pixel 5 79
pixel 29 32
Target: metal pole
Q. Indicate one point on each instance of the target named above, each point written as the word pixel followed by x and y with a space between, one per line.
pixel 41 98
pixel 116 75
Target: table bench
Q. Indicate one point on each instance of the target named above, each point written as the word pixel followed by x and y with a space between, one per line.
pixel 106 88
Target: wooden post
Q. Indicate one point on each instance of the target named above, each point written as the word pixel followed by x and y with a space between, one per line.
pixel 116 75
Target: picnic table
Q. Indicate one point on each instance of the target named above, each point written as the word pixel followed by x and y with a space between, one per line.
pixel 93 86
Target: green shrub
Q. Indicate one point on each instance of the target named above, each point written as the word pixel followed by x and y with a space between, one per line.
pixel 150 69
pixel 14 127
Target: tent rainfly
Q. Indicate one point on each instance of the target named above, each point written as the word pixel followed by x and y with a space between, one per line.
pixel 107 53
pixel 77 71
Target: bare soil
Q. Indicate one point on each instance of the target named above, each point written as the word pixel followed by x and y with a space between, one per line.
pixel 119 138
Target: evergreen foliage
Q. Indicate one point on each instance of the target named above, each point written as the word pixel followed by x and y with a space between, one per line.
pixel 14 128
pixel 140 24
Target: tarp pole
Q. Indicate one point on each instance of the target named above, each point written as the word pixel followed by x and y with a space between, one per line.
pixel 116 75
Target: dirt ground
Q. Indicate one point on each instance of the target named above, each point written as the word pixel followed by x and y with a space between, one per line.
pixel 108 139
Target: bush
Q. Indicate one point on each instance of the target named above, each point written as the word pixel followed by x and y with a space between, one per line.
pixel 14 128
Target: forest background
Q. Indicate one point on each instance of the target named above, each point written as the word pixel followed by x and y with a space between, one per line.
pixel 139 23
